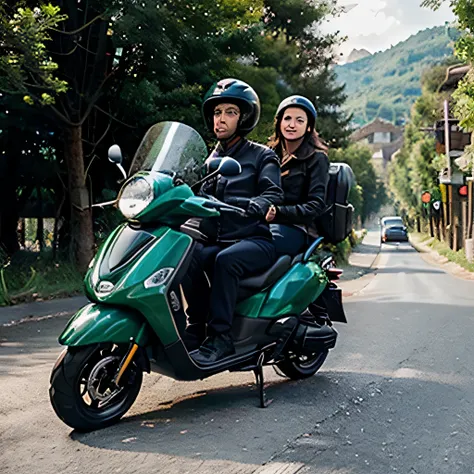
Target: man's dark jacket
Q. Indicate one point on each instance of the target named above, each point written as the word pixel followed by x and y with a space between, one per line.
pixel 254 190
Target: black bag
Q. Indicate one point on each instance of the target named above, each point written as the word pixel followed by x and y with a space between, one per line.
pixel 335 224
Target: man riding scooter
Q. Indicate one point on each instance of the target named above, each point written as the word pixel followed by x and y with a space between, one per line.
pixel 240 244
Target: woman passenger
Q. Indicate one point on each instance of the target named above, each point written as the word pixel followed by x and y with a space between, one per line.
pixel 304 175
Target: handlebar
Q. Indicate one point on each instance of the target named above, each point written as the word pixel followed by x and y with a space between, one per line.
pixel 222 206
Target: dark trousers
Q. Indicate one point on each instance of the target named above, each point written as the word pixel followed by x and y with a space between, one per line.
pixel 289 240
pixel 225 267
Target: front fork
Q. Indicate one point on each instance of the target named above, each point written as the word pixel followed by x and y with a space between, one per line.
pixel 127 358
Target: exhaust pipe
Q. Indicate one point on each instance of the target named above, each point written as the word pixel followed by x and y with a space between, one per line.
pixel 312 338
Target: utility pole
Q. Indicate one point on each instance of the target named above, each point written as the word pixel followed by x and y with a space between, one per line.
pixel 447 137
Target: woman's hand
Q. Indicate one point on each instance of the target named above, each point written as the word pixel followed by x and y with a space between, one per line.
pixel 271 214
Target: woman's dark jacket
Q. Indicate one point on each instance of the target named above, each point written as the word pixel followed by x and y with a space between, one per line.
pixel 254 190
pixel 304 181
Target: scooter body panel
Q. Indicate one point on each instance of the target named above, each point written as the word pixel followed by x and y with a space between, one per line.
pixel 290 295
pixel 131 285
pixel 97 323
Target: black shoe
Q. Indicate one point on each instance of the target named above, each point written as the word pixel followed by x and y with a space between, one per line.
pixel 214 349
pixel 193 336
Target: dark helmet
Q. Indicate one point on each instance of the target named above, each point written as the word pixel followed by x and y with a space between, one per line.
pixel 302 103
pixel 235 92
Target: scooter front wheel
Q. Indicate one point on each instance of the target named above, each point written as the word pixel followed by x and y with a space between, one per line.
pixel 83 392
pixel 302 367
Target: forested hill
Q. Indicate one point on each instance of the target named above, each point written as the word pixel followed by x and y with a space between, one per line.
pixel 387 83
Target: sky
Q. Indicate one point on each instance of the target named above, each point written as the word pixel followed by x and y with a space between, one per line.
pixel 375 25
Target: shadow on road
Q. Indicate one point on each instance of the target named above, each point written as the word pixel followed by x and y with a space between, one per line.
pixel 226 423
pixel 401 248
pixel 308 423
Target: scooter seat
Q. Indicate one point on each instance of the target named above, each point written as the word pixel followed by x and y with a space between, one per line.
pixel 258 282
pixel 298 259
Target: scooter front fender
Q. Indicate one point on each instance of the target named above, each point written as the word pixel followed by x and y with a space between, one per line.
pixel 98 323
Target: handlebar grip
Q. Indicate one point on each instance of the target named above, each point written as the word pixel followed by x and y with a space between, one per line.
pixel 222 206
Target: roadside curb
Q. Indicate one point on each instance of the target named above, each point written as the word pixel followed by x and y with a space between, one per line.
pixel 434 258
pixel 37 311
pixel 419 247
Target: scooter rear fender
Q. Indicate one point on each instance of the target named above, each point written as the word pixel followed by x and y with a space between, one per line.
pixel 99 323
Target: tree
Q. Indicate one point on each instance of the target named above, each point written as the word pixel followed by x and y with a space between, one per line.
pixel 464 95
pixel 416 166
pixel 114 68
pixel 25 64
pixel 90 76
pixel 80 44
pixel 293 52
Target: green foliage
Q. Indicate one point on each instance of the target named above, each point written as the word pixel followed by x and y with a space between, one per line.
pixel 26 66
pixel 128 65
pixel 30 276
pixel 464 95
pixel 275 48
pixel 464 101
pixel 387 84
pixel 369 194
pixel 413 171
pixel 163 72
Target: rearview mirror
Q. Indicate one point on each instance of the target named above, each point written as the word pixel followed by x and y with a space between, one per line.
pixel 229 167
pixel 115 154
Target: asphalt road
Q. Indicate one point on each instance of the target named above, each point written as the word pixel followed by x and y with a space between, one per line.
pixel 396 395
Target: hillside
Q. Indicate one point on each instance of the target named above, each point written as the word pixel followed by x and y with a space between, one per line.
pixel 387 83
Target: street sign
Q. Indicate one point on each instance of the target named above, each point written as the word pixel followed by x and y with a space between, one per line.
pixel 463 191
pixel 426 197
pixel 437 205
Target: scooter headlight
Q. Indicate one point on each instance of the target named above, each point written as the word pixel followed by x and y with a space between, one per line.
pixel 135 197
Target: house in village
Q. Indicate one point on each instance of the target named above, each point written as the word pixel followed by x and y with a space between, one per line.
pixel 383 138
pixel 457 215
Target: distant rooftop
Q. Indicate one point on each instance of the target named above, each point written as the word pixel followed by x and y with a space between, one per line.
pixel 378 125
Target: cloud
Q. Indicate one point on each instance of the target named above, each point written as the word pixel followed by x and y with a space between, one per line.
pixel 378 24
pixel 365 18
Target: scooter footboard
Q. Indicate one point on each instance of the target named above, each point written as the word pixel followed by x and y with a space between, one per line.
pixel 98 323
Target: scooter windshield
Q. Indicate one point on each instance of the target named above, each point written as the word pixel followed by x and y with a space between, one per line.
pixel 171 147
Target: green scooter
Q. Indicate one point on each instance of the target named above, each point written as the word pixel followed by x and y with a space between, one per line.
pixel 136 317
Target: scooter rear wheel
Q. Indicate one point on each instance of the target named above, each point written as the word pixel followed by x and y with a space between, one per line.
pixel 82 391
pixel 302 367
